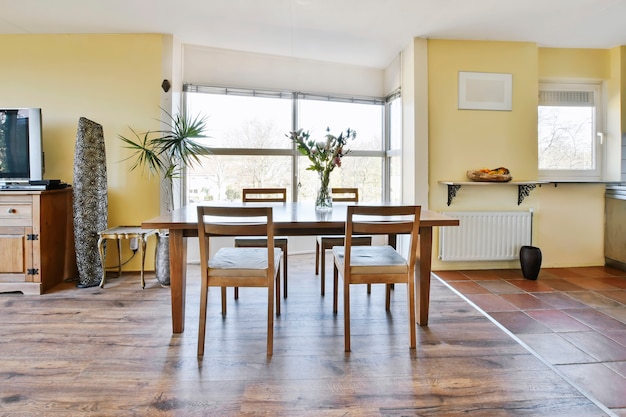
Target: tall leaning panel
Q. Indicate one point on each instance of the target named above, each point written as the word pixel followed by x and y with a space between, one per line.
pixel 90 208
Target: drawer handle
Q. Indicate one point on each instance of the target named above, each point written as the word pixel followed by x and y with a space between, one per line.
pixel 12 211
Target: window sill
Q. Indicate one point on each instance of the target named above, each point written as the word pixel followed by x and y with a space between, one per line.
pixel 555 182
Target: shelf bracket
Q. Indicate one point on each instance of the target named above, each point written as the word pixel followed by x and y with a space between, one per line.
pixel 523 190
pixel 452 189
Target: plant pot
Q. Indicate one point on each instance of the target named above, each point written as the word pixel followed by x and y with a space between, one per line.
pixel 162 259
pixel 530 261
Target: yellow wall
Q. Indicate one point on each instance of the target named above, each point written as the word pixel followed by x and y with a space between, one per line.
pixel 115 80
pixel 111 79
pixel 574 63
pixel 472 139
pixel 622 61
pixel 568 220
pixel 571 216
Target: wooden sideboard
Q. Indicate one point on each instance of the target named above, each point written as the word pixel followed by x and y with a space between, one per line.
pixel 36 240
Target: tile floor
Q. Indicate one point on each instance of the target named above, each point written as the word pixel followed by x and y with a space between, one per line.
pixel 574 319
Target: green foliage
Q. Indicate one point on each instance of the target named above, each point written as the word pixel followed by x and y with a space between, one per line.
pixel 324 155
pixel 168 151
pixel 233 195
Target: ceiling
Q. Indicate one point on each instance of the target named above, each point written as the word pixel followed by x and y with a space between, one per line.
pixel 361 32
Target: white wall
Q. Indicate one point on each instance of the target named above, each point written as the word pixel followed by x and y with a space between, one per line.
pixel 221 67
pixel 393 75
pixel 415 129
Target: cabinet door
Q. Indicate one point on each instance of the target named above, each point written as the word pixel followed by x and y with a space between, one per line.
pixel 16 254
pixel 615 230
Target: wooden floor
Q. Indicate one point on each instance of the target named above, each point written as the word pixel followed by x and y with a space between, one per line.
pixel 111 352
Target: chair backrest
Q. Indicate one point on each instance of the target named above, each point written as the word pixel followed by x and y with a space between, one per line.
pixel 235 221
pixel 345 194
pixel 276 195
pixel 384 220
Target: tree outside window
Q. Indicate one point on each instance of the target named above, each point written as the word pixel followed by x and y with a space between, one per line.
pixel 569 138
pixel 247 135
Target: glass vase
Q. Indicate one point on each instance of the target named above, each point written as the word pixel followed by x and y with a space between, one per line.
pixel 323 200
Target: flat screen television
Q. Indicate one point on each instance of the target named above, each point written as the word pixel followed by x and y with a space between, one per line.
pixel 21 147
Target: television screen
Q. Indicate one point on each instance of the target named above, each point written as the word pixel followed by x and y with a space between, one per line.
pixel 20 144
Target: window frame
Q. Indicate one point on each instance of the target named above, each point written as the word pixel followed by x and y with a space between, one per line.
pixel 393 155
pixel 295 97
pixel 579 175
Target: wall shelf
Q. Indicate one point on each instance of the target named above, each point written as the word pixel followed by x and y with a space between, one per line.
pixel 523 187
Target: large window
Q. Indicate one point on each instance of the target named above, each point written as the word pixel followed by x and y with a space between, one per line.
pixel 570 131
pixel 394 146
pixel 247 135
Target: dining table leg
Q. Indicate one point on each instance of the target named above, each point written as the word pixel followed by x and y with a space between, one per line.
pixel 178 278
pixel 423 274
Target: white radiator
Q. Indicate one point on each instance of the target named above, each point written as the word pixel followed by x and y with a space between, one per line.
pixel 485 236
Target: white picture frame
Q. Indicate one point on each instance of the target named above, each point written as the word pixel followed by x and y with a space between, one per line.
pixel 485 91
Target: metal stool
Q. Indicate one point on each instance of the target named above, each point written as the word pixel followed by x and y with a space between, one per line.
pixel 124 232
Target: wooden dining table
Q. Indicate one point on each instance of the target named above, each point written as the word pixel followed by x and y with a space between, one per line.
pixel 290 219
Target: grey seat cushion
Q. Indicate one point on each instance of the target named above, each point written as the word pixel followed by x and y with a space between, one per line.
pixel 250 262
pixel 373 260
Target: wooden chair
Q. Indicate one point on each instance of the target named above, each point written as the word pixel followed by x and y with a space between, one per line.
pixel 264 195
pixel 238 267
pixel 324 243
pixel 377 264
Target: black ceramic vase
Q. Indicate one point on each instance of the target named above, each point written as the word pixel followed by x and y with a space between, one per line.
pixel 530 260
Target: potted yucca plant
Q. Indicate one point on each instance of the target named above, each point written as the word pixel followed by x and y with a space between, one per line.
pixel 167 153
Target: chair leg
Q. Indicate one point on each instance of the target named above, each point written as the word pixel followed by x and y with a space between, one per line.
pixel 317 258
pixel 411 304
pixel 346 313
pixel 285 272
pixel 202 321
pixel 369 288
pixel 277 284
pixel 223 301
pixel 335 287
pixel 387 297
pixel 323 271
pixel 270 317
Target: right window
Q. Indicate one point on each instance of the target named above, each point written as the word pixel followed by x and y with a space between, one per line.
pixel 569 131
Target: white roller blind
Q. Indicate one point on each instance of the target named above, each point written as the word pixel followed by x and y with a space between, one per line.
pixel 566 98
